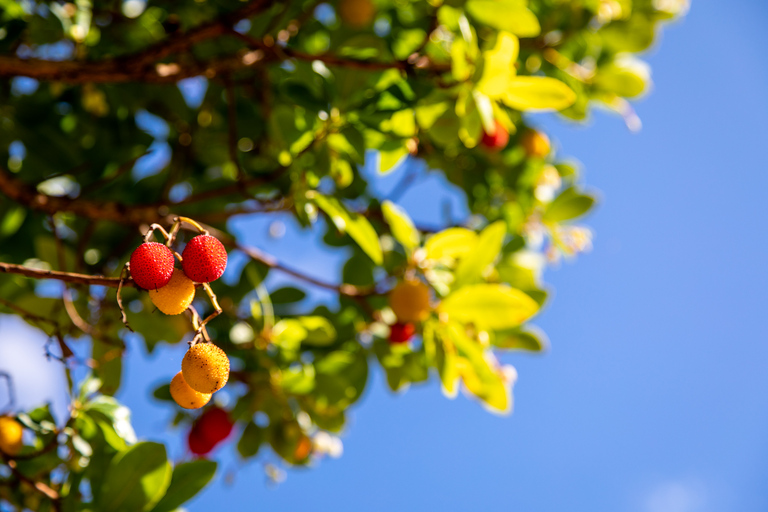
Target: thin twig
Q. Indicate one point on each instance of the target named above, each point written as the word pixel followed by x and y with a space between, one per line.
pixel 67 277
pixel 123 316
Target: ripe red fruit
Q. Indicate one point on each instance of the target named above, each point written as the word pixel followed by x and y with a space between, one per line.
pixel 199 444
pixel 498 140
pixel 152 265
pixel 401 332
pixel 214 425
pixel 204 259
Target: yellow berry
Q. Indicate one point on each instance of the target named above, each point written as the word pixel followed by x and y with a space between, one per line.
pixel 409 301
pixel 185 396
pixel 357 13
pixel 535 144
pixel 205 367
pixel 175 297
pixel 10 435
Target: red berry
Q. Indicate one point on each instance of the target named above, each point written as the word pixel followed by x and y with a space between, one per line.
pixel 152 265
pixel 204 259
pixel 498 140
pixel 400 333
pixel 199 444
pixel 214 425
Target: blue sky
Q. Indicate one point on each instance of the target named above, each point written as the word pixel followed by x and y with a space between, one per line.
pixel 653 396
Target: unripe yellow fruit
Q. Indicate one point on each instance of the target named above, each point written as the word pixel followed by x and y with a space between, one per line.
pixel 175 297
pixel 535 144
pixel 185 396
pixel 10 435
pixel 357 13
pixel 410 301
pixel 205 367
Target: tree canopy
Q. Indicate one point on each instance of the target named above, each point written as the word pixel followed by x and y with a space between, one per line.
pixel 122 120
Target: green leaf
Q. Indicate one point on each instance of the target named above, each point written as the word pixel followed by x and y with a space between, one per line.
pixel 568 205
pixel 510 15
pixel 391 154
pixel 499 66
pixel 299 380
pixel 12 221
pixel 451 243
pixel 108 361
pixel 189 478
pixel 251 440
pixel 483 253
pixel 518 339
pixel 136 479
pixel 489 306
pixel 320 331
pixel 287 295
pixel 401 225
pixel 355 225
pixel 538 93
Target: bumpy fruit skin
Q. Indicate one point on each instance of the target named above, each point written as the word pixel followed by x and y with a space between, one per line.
pixel 175 297
pixel 152 265
pixel 357 13
pixel 498 140
pixel 205 367
pixel 198 444
pixel 10 435
pixel 410 301
pixel 401 332
pixel 204 259
pixel 214 424
pixel 185 396
pixel 535 144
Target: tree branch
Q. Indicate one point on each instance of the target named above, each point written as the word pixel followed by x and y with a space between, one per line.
pixel 67 277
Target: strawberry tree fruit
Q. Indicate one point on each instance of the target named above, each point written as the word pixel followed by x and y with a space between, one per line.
pixel 401 332
pixel 185 396
pixel 357 13
pixel 409 301
pixel 10 435
pixel 175 297
pixel 214 424
pixel 204 259
pixel 535 144
pixel 497 140
pixel 152 265
pixel 199 444
pixel 205 367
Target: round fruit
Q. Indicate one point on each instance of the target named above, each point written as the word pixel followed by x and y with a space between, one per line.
pixel 498 140
pixel 401 332
pixel 175 297
pixel 357 13
pixel 198 444
pixel 410 301
pixel 214 424
pixel 10 435
pixel 204 259
pixel 152 265
pixel 185 396
pixel 205 367
pixel 303 449
pixel 535 144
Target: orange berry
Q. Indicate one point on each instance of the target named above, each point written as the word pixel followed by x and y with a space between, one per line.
pixel 176 296
pixel 357 13
pixel 205 367
pixel 535 144
pixel 185 396
pixel 10 435
pixel 410 301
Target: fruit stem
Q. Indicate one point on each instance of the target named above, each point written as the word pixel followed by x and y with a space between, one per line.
pixel 124 318
pixel 152 229
pixel 194 223
pixel 217 309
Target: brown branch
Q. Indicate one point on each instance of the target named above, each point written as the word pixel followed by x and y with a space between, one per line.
pixel 67 277
pixel 40 487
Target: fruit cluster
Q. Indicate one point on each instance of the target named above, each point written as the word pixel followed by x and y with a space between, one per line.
pixel 211 428
pixel 205 367
pixel 409 301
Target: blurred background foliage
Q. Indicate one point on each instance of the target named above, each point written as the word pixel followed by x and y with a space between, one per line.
pixel 118 114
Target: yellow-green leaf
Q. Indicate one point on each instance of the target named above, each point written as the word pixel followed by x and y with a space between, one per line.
pixel 510 15
pixel 499 65
pixel 451 243
pixel 391 153
pixel 487 248
pixel 355 225
pixel 538 93
pixel 489 306
pixel 401 225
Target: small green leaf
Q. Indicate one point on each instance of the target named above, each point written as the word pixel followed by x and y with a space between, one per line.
pixel 568 205
pixel 189 478
pixel 287 295
pixel 489 306
pixel 320 331
pixel 136 479
pixel 451 243
pixel 538 93
pixel 391 154
pixel 299 380
pixel 484 252
pixel 252 438
pixel 499 66
pixel 401 225
pixel 355 225
pixel 531 340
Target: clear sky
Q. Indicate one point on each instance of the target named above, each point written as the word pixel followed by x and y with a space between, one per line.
pixel 654 395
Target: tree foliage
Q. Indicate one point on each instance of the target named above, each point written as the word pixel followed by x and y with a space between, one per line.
pixel 118 115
